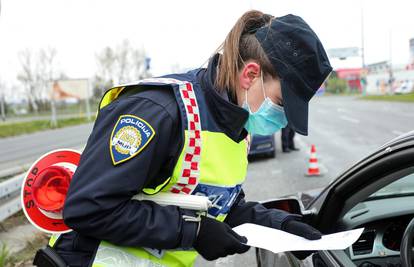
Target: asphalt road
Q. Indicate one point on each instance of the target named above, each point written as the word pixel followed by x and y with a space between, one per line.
pixel 24 149
pixel 40 117
pixel 343 129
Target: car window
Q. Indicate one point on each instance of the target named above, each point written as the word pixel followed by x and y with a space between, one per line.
pixel 401 187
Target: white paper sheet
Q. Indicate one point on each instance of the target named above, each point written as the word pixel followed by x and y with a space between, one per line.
pixel 280 241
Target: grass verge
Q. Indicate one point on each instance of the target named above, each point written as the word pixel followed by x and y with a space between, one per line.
pixel 393 98
pixel 25 257
pixel 13 221
pixel 4 255
pixel 19 128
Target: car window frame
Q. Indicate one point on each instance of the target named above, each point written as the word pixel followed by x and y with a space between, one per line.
pixel 345 194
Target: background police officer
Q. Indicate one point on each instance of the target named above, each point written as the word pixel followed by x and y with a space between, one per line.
pixel 288 141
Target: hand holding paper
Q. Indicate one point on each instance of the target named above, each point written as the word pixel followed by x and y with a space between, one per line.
pixel 280 241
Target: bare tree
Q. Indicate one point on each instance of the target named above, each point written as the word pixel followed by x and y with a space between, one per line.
pixel 28 77
pixel 139 68
pixel 47 64
pixel 2 100
pixel 130 63
pixel 122 64
pixel 106 67
pixel 48 73
pixel 123 60
pixel 38 70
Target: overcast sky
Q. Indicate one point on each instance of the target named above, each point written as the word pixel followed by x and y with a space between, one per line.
pixel 186 33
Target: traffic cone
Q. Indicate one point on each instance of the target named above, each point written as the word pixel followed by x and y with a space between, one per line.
pixel 313 167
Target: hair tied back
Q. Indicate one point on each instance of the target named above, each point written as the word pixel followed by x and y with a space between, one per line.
pixel 253 25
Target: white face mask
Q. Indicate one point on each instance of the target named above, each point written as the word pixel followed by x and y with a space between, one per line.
pixel 268 119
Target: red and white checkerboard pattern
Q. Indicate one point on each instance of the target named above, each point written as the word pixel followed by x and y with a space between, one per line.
pixel 190 169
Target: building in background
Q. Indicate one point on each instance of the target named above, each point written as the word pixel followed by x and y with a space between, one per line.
pixel 384 78
pixel 410 65
pixel 376 78
pixel 381 79
pixel 352 77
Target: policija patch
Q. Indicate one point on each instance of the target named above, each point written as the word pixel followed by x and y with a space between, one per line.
pixel 130 136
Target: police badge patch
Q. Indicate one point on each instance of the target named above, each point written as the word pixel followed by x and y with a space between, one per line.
pixel 130 135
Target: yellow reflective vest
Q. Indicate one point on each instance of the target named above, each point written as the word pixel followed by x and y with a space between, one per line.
pixel 210 164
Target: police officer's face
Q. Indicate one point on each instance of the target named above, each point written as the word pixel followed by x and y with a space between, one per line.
pixel 272 89
pixel 250 82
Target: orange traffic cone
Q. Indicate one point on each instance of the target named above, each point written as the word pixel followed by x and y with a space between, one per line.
pixel 313 168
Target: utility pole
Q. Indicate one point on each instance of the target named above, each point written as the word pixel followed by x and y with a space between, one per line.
pixel 2 100
pixel 362 38
pixel 2 104
pixel 391 78
pixel 53 119
pixel 363 74
pixel 88 96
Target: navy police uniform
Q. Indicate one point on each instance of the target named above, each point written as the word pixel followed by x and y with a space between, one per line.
pixel 287 137
pixel 99 206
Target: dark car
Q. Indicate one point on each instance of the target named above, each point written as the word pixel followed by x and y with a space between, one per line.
pixel 262 145
pixel 377 194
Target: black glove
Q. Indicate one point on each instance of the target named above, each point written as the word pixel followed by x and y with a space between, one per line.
pixel 216 239
pixel 304 230
pixel 299 228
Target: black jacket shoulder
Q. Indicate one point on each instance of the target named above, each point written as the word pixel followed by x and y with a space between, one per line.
pixel 100 191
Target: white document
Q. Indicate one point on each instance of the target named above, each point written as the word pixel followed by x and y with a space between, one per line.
pixel 280 241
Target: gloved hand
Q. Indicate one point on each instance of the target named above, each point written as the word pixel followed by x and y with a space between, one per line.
pixel 216 239
pixel 299 228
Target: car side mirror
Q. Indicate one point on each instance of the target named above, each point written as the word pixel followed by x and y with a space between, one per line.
pixel 291 205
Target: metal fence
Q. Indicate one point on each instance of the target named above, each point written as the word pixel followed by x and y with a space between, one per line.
pixel 10 202
pixel 10 186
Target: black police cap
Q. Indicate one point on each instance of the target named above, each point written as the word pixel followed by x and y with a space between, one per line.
pixel 300 60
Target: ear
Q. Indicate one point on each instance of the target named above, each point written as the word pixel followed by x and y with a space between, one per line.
pixel 249 72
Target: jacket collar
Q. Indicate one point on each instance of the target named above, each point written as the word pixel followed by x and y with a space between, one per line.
pixel 230 117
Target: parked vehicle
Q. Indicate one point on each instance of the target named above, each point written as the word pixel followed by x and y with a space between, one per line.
pixel 378 194
pixel 406 87
pixel 262 145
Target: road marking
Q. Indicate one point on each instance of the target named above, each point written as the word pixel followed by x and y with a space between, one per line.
pixel 276 171
pixel 406 115
pixel 397 132
pixel 341 110
pixel 227 261
pixel 346 118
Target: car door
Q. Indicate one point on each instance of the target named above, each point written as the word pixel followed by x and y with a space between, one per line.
pixel 389 163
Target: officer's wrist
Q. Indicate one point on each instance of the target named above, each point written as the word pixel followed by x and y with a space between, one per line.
pixel 190 228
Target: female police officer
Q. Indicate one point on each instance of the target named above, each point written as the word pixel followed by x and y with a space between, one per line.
pixel 186 134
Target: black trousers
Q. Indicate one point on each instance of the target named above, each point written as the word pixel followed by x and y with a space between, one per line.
pixel 287 138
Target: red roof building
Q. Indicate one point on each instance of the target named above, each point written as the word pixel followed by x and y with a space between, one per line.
pixel 352 76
